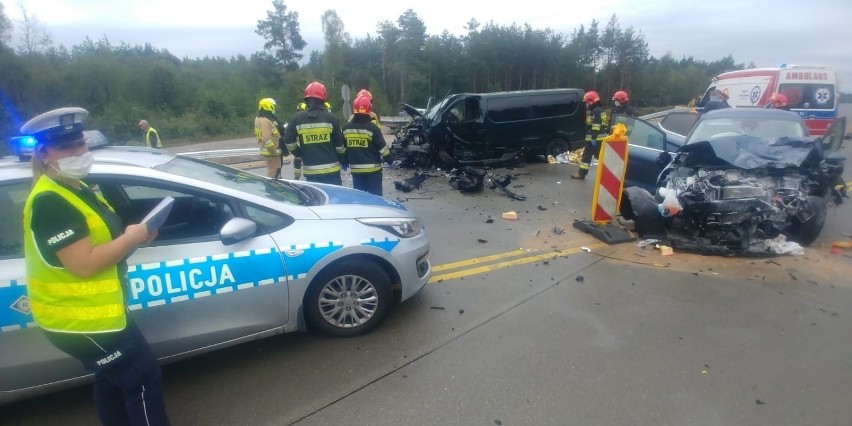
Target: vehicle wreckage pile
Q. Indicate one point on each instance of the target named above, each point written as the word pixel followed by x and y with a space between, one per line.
pixel 731 195
pixel 412 149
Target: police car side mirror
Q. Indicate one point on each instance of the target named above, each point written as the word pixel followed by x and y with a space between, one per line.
pixel 236 230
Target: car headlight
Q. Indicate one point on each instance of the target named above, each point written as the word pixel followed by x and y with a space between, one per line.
pixel 405 228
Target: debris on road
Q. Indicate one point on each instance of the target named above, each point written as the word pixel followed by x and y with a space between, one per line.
pixel 511 215
pixel 482 240
pixel 438 307
pixel 579 278
pixel 411 183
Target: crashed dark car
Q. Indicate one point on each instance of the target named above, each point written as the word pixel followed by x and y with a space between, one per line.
pixel 492 129
pixel 743 176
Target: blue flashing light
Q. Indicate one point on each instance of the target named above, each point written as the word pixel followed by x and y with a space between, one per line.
pixel 28 141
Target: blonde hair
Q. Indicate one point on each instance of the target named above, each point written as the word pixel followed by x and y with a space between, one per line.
pixel 38 165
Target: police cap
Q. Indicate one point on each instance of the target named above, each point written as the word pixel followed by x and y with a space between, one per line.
pixel 57 126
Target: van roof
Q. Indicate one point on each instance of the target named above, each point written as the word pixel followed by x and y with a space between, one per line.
pixel 526 92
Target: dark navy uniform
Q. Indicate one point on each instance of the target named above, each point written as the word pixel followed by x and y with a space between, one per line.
pixel 366 149
pixel 314 136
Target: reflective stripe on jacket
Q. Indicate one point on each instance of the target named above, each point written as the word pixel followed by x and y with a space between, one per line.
pixel 365 146
pixel 266 132
pixel 314 136
pixel 60 300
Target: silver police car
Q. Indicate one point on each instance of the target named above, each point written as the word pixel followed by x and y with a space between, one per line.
pixel 239 257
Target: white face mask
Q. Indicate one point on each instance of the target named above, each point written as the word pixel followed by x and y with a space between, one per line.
pixel 76 167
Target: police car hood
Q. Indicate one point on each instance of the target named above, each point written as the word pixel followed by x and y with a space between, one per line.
pixel 346 203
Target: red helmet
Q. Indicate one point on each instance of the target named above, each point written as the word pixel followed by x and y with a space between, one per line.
pixel 778 100
pixel 362 105
pixel 591 97
pixel 316 90
pixel 620 96
pixel 364 92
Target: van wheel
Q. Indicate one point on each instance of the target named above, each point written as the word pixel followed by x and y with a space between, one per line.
pixel 557 146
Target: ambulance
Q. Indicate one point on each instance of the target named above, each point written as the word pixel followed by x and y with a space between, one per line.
pixel 811 91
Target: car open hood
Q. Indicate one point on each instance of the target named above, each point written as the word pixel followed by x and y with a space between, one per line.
pixel 747 152
pixel 410 110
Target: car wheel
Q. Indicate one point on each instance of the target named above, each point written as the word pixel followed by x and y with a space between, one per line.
pixel 557 146
pixel 805 233
pixel 349 299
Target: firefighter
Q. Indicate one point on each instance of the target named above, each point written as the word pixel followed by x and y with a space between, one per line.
pixel 718 99
pixel 266 130
pixel 297 161
pixel 365 148
pixel 778 101
pixel 314 136
pixel 373 117
pixel 597 121
pixel 621 103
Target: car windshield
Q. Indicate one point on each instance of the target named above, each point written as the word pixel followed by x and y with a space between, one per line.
pixel 235 179
pixel 432 112
pixel 766 129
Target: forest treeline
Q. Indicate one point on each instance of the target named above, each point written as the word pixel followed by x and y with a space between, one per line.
pixel 206 98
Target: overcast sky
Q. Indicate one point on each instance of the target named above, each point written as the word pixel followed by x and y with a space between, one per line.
pixel 766 32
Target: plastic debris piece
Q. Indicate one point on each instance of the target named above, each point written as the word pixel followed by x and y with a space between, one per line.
pixel 579 278
pixel 510 215
pixel 540 207
pixel 759 402
pixel 586 249
pixel 558 231
pixel 780 245
pixel 438 307
pixel 842 244
pixel 489 220
pixel 666 251
pixel 461 311
pixel 482 240
pixel 648 242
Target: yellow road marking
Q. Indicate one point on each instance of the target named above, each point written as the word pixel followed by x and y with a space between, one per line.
pixel 502 265
pixel 474 261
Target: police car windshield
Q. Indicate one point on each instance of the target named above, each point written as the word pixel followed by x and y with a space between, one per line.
pixel 234 179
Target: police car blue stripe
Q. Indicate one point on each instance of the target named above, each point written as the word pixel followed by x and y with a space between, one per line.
pixel 387 244
pixel 179 280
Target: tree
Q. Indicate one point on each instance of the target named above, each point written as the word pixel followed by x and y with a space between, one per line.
pixel 283 39
pixel 336 40
pixel 34 37
pixel 5 27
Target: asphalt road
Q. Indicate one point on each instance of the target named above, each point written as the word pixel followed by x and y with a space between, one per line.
pixel 522 326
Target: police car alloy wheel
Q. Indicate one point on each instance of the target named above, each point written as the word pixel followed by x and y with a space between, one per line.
pixel 349 299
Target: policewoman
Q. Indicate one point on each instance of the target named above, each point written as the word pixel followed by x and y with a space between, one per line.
pixel 366 148
pixel 76 249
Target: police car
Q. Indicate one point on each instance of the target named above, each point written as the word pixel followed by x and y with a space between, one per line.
pixel 239 257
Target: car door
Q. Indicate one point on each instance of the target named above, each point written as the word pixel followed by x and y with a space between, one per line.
pixel 465 128
pixel 646 143
pixel 188 290
pixel 832 140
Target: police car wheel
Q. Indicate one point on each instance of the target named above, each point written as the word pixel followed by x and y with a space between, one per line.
pixel 349 299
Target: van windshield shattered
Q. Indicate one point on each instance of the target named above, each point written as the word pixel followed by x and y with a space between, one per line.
pixel 228 177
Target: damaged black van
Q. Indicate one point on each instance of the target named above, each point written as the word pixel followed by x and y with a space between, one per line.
pixel 484 128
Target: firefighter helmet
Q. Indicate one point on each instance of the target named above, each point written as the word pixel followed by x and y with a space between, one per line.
pixel 364 92
pixel 591 97
pixel 778 100
pixel 362 105
pixel 620 96
pixel 267 104
pixel 316 90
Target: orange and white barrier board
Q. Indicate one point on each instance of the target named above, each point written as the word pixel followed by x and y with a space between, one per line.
pixel 609 179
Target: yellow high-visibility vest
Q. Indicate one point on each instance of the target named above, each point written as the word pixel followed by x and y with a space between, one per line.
pixel 60 300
